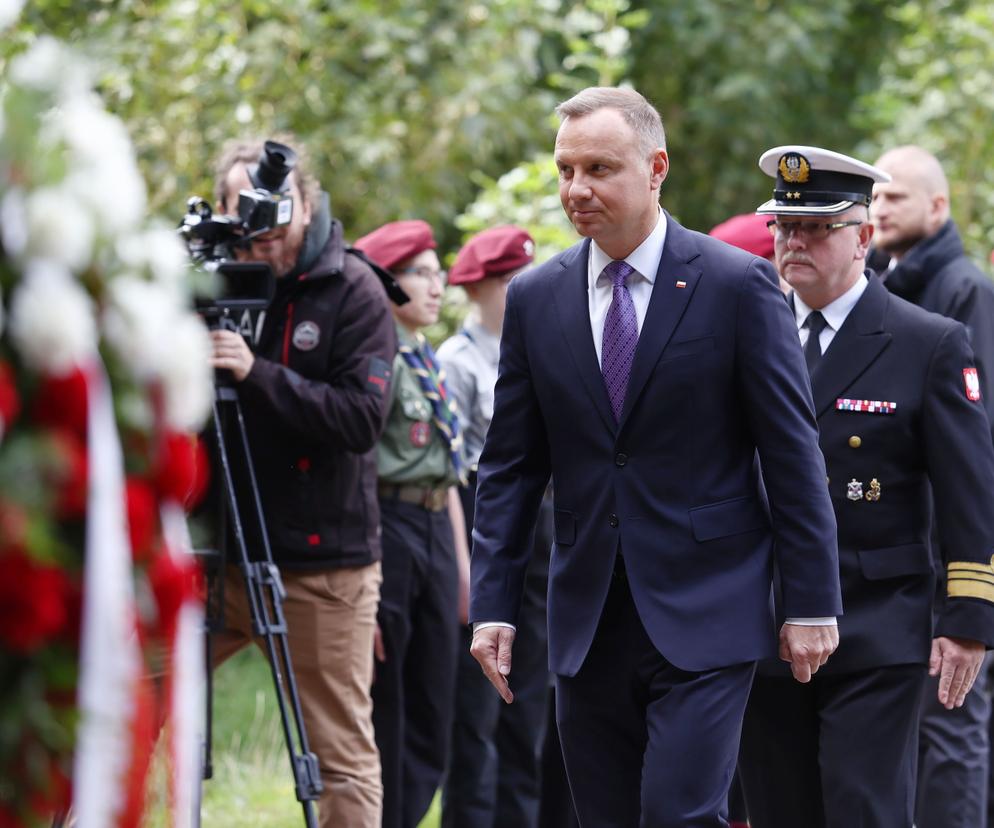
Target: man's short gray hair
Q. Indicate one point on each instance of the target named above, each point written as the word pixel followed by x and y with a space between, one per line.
pixel 638 113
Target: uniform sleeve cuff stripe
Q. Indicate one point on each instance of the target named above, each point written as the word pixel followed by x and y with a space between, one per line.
pixel 968 588
pixel 963 566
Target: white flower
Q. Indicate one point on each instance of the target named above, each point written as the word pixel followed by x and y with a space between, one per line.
pixel 187 376
pixel 51 319
pixel 137 324
pixel 159 252
pixel 13 222
pixel 50 66
pixel 59 227
pixel 102 170
pixel 10 10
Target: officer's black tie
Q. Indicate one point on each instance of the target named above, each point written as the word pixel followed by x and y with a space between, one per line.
pixel 812 348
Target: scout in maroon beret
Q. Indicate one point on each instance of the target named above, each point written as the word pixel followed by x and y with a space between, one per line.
pixel 494 252
pixel 420 460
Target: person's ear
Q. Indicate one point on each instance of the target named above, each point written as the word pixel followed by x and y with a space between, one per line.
pixel 660 168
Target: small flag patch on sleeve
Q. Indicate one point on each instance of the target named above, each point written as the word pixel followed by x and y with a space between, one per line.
pixel 972 382
pixel 379 376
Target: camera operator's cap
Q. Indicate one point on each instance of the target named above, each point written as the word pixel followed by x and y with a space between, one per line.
pixel 397 242
pixel 747 232
pixel 493 252
pixel 816 182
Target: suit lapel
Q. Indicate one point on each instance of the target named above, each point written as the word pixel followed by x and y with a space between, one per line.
pixel 676 280
pixel 573 309
pixel 856 345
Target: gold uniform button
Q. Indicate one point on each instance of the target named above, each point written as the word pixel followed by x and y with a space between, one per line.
pixel 855 441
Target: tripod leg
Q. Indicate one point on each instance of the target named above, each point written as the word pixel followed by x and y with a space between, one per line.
pixel 265 594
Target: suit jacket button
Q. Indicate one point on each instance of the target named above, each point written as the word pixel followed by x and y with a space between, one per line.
pixel 613 520
pixel 855 441
pixel 620 459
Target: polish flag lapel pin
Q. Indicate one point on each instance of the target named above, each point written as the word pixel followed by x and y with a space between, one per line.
pixel 680 283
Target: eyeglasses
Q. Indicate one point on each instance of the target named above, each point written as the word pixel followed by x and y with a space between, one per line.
pixel 424 272
pixel 809 230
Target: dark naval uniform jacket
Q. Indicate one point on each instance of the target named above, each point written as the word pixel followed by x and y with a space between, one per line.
pixel 900 416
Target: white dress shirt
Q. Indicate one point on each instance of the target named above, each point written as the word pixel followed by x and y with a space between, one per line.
pixel 644 259
pixel 835 313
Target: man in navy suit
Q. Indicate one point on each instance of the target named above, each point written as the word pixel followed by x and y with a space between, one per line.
pixel 905 438
pixel 647 369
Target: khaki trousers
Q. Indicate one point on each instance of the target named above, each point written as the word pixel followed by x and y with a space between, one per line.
pixel 331 618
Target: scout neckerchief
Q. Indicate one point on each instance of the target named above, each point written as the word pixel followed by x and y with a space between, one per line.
pixel 432 378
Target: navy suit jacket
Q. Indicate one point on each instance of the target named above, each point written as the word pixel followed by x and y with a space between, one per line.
pixel 718 377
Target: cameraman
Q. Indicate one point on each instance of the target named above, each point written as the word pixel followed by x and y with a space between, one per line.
pixel 314 394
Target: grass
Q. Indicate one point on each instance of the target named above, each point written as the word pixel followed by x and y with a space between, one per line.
pixel 252 784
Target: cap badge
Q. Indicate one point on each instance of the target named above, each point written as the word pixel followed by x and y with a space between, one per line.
pixel 794 168
pixel 529 246
pixel 854 491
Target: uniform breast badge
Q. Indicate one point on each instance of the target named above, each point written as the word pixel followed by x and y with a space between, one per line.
pixel 854 490
pixel 873 493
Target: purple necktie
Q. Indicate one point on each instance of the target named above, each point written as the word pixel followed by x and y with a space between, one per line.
pixel 621 334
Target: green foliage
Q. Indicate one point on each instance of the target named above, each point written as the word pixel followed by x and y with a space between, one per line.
pixel 732 79
pixel 937 90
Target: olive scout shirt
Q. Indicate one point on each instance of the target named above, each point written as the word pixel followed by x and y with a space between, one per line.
pixel 412 450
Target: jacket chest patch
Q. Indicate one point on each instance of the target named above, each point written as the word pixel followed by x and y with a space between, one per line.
pixel 306 336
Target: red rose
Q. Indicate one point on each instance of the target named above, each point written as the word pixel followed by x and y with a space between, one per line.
pixel 181 469
pixel 33 599
pixel 70 475
pixel 10 403
pixel 60 402
pixel 143 516
pixel 174 579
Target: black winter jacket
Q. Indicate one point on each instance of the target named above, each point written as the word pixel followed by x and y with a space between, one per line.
pixel 937 275
pixel 314 406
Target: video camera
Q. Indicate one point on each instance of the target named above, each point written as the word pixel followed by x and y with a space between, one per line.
pixel 240 289
pixel 269 205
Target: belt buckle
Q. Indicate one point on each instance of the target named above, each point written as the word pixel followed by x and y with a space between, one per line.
pixel 434 499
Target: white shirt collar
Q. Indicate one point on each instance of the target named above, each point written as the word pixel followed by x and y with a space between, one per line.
pixel 644 258
pixel 836 311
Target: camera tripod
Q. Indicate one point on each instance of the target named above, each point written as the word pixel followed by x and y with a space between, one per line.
pixel 264 589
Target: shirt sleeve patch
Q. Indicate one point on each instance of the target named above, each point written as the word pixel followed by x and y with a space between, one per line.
pixel 972 382
pixel 379 376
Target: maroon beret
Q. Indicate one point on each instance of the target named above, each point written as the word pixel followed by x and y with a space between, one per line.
pixel 749 232
pixel 491 253
pixel 397 242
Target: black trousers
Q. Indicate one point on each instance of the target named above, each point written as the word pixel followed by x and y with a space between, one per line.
pixel 494 774
pixel 837 752
pixel 954 757
pixel 646 744
pixel 414 689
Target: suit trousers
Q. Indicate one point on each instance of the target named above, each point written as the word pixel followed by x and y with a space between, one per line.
pixel 330 618
pixel 837 752
pixel 954 757
pixel 493 779
pixel 414 689
pixel 646 743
